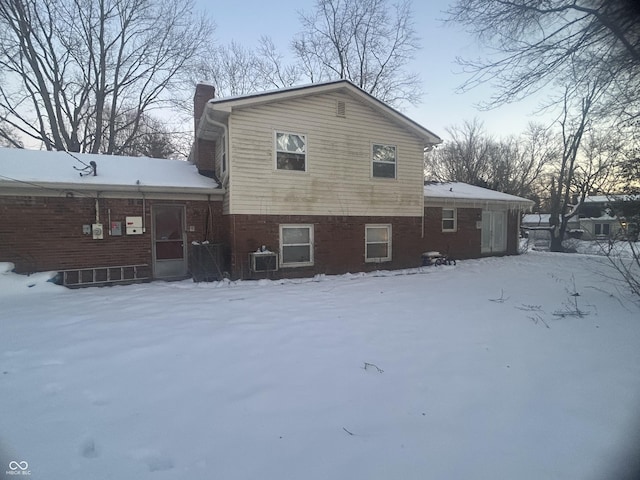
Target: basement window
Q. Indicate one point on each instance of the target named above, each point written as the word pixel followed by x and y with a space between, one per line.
pixel 377 243
pixel 296 245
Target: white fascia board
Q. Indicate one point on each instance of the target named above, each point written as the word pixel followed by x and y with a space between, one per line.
pixel 55 189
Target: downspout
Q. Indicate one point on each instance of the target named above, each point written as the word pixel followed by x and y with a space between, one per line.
pixel 422 211
pixel 143 207
pixel 225 129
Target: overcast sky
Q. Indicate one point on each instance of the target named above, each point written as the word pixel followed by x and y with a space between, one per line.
pixel 245 22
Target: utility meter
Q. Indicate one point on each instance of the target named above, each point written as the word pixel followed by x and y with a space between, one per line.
pixel 97 231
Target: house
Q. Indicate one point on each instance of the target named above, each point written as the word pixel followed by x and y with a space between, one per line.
pixel 536 227
pixel 600 217
pixel 316 179
pixel 103 219
pixel 324 175
pixel 605 217
pixel 466 221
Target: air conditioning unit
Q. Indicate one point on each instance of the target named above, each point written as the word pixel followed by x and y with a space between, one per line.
pixel 263 261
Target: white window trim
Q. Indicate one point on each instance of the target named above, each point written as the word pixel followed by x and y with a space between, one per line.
pixel 455 220
pixel 275 151
pixel 311 246
pixel 389 244
pixel 395 164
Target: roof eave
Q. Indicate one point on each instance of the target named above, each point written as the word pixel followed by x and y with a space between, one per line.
pixel 226 105
pixel 522 204
pixel 102 187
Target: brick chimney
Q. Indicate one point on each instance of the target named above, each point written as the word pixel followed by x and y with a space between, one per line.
pixel 204 150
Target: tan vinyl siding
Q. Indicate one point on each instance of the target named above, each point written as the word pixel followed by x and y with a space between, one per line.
pixel 338 179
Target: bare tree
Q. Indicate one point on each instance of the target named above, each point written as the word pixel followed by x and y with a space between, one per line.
pixel 273 69
pixel 626 207
pixel 512 165
pixel 83 74
pixel 464 158
pixel 582 166
pixel 366 41
pixel 570 42
pixel 8 136
pixel 237 70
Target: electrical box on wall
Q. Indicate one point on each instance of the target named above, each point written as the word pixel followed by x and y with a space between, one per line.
pixel 97 231
pixel 116 228
pixel 134 225
pixel 86 229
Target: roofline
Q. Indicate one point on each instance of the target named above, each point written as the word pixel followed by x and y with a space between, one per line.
pixel 475 202
pixel 45 187
pixel 228 103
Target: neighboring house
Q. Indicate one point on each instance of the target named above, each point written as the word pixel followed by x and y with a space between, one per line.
pixel 295 182
pixel 596 220
pixel 536 228
pixel 466 221
pixel 598 217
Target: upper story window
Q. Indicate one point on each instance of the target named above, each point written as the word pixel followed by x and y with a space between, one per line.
pixel 448 219
pixel 384 161
pixel 291 151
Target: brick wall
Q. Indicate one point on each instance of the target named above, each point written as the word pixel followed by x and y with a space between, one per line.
pixel 338 243
pixel 45 233
pixel 203 150
pixel 464 243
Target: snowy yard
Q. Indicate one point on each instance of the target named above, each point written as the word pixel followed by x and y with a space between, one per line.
pixel 482 370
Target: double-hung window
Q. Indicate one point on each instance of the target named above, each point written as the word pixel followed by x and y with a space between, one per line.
pixel 448 219
pixel 377 239
pixel 296 245
pixel 291 151
pixel 384 161
pixel 602 229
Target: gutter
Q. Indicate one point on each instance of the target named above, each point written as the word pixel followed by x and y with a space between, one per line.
pixel 110 188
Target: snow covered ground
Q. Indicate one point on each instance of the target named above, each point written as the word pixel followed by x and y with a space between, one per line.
pixel 503 368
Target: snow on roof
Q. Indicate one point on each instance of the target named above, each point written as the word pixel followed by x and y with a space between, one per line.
pixel 608 198
pixel 464 192
pixel 536 218
pixel 44 167
pixel 543 219
pixel 273 91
